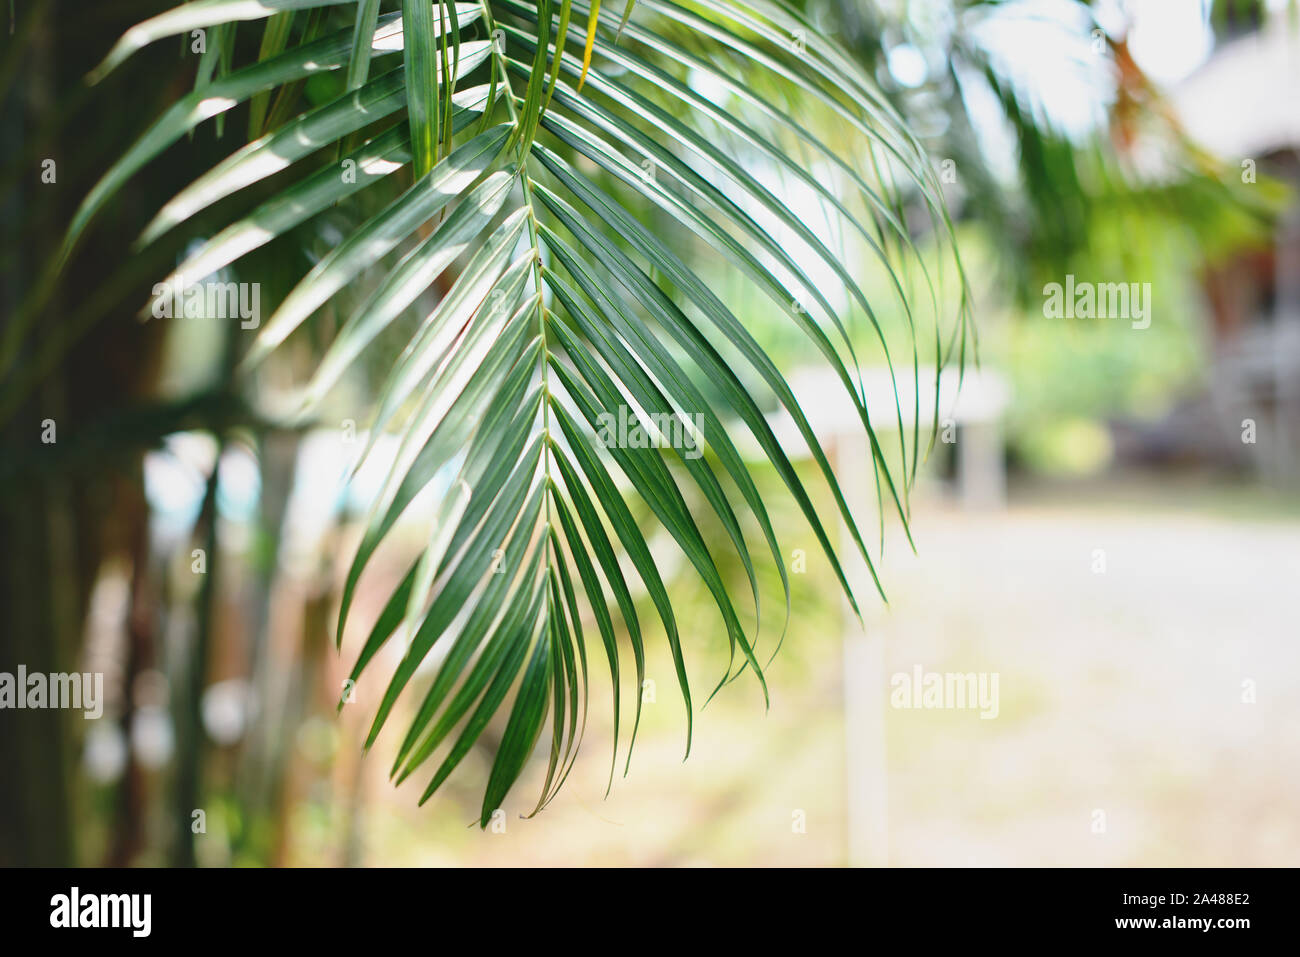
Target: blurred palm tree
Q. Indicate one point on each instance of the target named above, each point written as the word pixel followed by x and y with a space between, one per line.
pixel 529 190
pixel 1054 200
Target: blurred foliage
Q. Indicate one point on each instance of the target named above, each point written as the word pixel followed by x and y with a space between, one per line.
pixel 1130 196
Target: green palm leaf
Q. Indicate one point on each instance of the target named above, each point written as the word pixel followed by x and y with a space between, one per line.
pixel 553 201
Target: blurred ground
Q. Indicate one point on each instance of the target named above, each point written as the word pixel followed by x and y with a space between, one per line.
pixel 1120 691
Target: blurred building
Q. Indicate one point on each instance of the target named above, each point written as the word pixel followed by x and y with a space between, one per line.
pixel 1241 106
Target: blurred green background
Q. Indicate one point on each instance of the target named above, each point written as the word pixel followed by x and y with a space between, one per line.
pixel 1150 142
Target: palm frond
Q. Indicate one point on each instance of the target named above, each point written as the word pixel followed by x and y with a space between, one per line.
pixel 572 194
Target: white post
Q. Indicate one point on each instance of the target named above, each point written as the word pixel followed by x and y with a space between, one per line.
pixel 981 471
pixel 864 673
